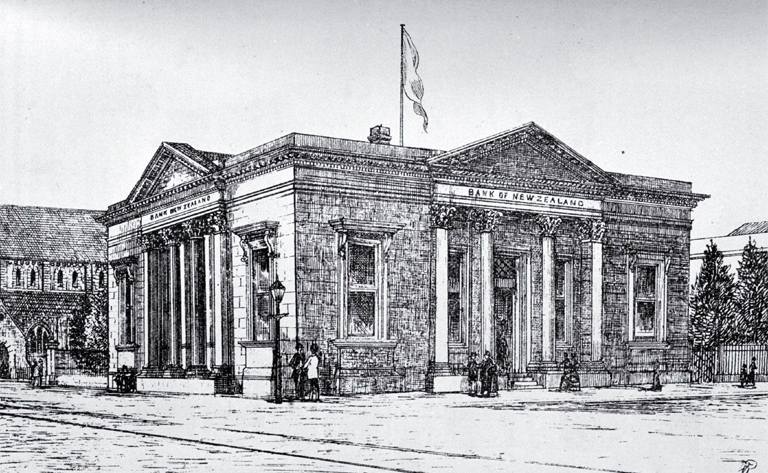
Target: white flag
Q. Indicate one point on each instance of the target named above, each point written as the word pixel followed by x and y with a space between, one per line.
pixel 413 87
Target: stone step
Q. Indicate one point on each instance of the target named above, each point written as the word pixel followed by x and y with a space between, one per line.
pixel 526 385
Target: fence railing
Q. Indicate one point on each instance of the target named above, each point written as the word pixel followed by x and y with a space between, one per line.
pixel 724 363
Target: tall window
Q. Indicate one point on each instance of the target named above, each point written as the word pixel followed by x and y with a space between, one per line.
pixel 17 278
pixel 645 301
pixel 362 298
pixel 456 312
pixel 60 279
pixel 75 280
pixel 126 308
pixel 102 281
pixel 32 278
pixel 261 278
pixel 563 301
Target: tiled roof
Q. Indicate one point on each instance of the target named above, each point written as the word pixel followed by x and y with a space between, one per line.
pixel 52 234
pixel 750 229
pixel 27 307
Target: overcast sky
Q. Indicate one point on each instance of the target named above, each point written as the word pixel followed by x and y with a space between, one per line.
pixel 674 89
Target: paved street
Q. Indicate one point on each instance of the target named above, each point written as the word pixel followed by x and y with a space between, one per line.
pixel 684 428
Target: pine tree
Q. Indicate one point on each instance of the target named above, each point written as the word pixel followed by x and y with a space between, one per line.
pixel 713 301
pixel 752 295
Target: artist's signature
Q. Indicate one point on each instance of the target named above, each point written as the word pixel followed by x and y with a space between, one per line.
pixel 747 466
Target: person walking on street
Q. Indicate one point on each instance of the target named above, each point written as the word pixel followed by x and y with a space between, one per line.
pixel 297 365
pixel 487 375
pixel 752 371
pixel 33 373
pixel 472 374
pixel 311 366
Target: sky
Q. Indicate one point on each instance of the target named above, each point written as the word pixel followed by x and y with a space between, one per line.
pixel 673 89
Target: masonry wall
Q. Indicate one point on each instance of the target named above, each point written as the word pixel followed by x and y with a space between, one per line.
pixel 324 194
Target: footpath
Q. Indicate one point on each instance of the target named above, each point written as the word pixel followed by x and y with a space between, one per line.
pixel 683 428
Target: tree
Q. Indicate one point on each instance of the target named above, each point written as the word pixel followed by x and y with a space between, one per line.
pixel 752 295
pixel 713 301
pixel 88 331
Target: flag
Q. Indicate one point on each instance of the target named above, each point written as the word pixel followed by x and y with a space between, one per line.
pixel 412 85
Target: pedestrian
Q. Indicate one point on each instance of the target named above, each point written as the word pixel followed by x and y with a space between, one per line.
pixel 565 379
pixel 472 374
pixel 297 365
pixel 752 371
pixel 33 373
pixel 311 366
pixel 744 376
pixel 656 384
pixel 487 375
pixel 40 372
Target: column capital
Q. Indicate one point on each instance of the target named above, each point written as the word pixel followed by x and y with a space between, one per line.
pixel 592 230
pixel 442 215
pixel 484 220
pixel 548 224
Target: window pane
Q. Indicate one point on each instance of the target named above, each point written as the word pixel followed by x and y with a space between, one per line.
pixel 646 316
pixel 454 317
pixel 362 262
pixel 362 314
pixel 260 275
pixel 645 286
pixel 560 320
pixel 454 271
pixel 560 279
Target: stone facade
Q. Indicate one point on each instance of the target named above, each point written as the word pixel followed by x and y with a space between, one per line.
pixel 397 263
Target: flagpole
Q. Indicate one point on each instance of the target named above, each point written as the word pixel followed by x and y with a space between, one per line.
pixel 402 78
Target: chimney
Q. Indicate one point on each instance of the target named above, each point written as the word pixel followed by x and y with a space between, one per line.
pixel 379 135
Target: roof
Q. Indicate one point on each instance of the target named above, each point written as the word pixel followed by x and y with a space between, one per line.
pixel 52 234
pixel 27 307
pixel 750 228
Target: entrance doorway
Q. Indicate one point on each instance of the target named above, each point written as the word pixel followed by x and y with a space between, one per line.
pixel 509 307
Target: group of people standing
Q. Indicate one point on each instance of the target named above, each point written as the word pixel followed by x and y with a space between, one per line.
pixel 747 378
pixel 36 373
pixel 485 373
pixel 305 373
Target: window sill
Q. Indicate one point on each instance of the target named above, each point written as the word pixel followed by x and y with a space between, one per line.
pixel 257 343
pixel 363 342
pixel 652 344
pixel 127 347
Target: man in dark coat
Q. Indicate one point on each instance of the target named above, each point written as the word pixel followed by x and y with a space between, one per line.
pixel 297 365
pixel 752 371
pixel 487 375
pixel 472 374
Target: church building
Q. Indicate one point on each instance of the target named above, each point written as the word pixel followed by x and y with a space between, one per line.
pixel 398 263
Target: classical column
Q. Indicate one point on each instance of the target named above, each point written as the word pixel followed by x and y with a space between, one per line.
pixel 441 216
pixel 145 306
pixel 548 226
pixel 172 306
pixel 593 231
pixel 218 345
pixel 209 303
pixel 485 222
pixel 183 305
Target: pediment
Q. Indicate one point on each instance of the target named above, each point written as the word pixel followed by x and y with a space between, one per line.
pixel 173 164
pixel 527 152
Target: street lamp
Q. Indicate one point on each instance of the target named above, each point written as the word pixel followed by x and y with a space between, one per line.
pixel 278 291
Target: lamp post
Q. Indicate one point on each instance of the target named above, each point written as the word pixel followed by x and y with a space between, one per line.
pixel 278 291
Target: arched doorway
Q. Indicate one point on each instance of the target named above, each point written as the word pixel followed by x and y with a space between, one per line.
pixel 38 341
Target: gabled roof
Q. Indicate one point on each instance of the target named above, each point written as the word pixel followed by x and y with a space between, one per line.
pixel 52 234
pixel 750 228
pixel 474 157
pixel 28 307
pixel 175 156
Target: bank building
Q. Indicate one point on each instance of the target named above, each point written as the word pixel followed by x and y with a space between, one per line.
pixel 397 262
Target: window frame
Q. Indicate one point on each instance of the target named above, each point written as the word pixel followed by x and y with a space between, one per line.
pixel 377 288
pixel 661 265
pixel 255 318
pixel 463 298
pixel 568 301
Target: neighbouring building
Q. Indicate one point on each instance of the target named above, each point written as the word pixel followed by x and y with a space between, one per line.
pixel 50 260
pixel 731 245
pixel 398 262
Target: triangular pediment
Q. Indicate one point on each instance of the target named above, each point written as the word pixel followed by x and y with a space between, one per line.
pixel 174 164
pixel 527 152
